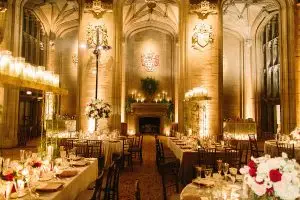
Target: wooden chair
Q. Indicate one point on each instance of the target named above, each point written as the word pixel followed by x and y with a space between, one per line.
pixel 95 148
pixel 289 149
pixel 201 161
pixel 95 151
pixel 111 191
pixel 233 158
pixel 81 149
pixel 210 158
pixel 126 153
pixel 67 143
pixel 137 193
pixel 137 148
pixel 255 152
pixel 98 187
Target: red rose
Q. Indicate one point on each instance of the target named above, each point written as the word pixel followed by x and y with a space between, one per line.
pixel 8 177
pixel 252 172
pixel 37 164
pixel 275 175
pixel 270 191
pixel 252 164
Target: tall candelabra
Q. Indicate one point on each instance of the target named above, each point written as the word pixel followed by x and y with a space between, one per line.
pixel 97 40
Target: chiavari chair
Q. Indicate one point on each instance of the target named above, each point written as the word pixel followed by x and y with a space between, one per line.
pixel 81 149
pixel 137 148
pixel 232 157
pixel 98 187
pixel 255 152
pixel 126 154
pixel 289 149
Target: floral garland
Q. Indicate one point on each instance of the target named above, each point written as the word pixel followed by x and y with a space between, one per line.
pixel 98 109
pixel 273 177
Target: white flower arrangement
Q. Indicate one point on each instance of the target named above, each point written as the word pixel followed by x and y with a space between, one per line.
pixel 274 177
pixel 98 109
pixel 296 134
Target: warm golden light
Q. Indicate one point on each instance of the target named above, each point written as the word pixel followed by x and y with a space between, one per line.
pixel 16 67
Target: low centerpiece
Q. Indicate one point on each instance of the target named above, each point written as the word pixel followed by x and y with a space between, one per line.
pixel 273 178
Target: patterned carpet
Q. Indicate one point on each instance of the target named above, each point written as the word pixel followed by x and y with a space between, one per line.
pixel 150 180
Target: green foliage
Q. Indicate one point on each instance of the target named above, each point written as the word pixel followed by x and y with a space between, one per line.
pixel 149 86
pixel 129 101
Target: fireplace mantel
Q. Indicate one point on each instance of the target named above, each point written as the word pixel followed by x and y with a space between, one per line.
pixel 156 109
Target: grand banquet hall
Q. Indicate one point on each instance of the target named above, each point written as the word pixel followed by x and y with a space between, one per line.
pixel 149 99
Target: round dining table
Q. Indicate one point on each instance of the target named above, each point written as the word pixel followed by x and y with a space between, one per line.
pixel 219 190
pixel 270 148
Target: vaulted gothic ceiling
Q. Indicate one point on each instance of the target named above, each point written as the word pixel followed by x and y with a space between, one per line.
pixel 159 12
pixel 57 16
pixel 243 17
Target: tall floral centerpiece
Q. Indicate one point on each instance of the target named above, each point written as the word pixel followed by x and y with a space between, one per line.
pixel 273 178
pixel 98 109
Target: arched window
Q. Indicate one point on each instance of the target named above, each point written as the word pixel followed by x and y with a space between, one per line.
pixel 34 39
pixel 271 77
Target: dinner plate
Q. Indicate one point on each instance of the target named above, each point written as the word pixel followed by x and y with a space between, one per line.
pixel 19 194
pixel 46 177
pixel 49 186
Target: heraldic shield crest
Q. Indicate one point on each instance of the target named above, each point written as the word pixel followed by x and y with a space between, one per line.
pixel 202 35
pixel 150 61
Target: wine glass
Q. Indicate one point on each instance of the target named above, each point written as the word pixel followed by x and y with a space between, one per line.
pixel 22 155
pixel 207 173
pixel 219 162
pixel 233 173
pixel 28 154
pixel 225 168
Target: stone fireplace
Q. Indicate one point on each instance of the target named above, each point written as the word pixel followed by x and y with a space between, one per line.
pixel 148 117
pixel 149 125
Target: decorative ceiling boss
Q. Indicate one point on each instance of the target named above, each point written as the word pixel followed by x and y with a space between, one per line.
pixel 203 9
pixel 98 8
pixel 202 35
pixel 150 61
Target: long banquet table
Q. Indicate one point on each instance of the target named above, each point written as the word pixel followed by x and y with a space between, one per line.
pixel 188 158
pixel 72 186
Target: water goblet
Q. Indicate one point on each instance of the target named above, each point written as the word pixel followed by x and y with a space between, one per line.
pixel 225 168
pixel 207 173
pixel 28 154
pixel 22 155
pixel 233 173
pixel 219 162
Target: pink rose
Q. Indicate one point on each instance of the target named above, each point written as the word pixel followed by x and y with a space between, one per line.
pixel 275 175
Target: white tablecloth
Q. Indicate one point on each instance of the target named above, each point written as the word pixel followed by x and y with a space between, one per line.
pixel 188 158
pixel 196 192
pixel 72 186
pixel 271 149
pixel 109 148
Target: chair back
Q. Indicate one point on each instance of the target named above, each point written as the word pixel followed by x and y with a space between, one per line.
pixel 98 187
pixel 210 157
pixel 95 148
pixel 289 149
pixel 201 156
pixel 67 143
pixel 137 193
pixel 112 182
pixel 127 144
pixel 81 149
pixel 253 146
pixel 232 157
pixel 137 140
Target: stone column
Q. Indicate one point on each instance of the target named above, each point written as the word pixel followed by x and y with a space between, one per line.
pixel 297 65
pixel 204 59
